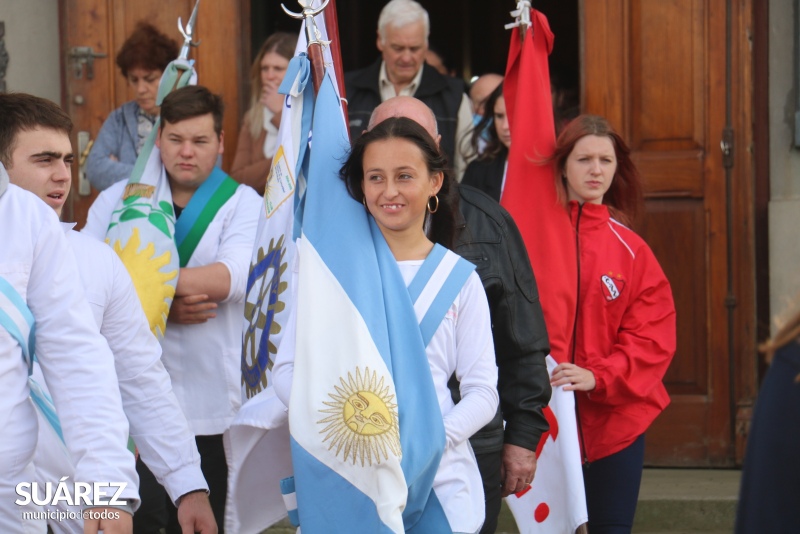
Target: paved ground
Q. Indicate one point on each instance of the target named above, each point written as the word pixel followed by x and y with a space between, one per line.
pixel 671 501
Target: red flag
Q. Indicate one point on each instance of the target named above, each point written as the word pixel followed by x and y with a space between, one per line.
pixel 530 192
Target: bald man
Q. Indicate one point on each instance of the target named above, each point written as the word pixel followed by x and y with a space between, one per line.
pixel 481 89
pixel 489 238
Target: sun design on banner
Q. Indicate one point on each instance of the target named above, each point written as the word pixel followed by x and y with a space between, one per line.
pixel 363 421
pixel 152 285
pixel 262 303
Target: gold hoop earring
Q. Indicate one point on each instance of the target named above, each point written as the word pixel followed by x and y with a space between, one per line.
pixel 364 201
pixel 433 210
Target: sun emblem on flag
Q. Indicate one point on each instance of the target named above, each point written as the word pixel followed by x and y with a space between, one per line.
pixel 262 303
pixel 152 284
pixel 362 422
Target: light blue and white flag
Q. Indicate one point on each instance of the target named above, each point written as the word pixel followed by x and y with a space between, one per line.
pixel 257 444
pixel 367 432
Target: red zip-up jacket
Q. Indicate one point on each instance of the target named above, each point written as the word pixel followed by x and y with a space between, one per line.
pixel 624 332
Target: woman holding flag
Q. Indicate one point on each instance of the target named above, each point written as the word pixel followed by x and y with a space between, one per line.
pixel 624 336
pixel 398 173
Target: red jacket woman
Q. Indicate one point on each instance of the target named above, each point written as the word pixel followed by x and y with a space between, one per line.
pixel 624 336
pixel 625 331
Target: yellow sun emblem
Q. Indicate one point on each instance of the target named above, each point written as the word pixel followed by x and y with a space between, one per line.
pixel 152 286
pixel 363 421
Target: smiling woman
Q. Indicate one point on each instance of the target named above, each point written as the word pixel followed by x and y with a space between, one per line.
pixel 142 59
pixel 399 173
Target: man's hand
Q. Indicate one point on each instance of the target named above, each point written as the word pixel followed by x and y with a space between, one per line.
pixel 572 377
pixel 192 309
pixel 195 515
pixel 518 468
pixel 109 520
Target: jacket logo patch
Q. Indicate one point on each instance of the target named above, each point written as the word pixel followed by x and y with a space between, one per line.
pixel 612 286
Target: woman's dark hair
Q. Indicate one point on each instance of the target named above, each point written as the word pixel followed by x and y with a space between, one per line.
pixel 494 147
pixel 443 222
pixel 624 197
pixel 146 48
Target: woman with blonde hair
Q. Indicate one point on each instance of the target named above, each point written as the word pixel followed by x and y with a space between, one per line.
pixel 259 134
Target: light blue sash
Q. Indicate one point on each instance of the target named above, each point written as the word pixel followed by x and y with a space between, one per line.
pixel 18 320
pixel 435 286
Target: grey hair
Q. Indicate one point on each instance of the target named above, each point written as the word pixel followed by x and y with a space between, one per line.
pixel 400 13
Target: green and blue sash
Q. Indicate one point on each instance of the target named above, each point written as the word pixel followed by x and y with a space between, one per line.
pixel 200 211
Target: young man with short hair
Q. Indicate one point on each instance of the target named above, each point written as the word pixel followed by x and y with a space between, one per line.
pixel 202 342
pixel 34 142
pixel 43 312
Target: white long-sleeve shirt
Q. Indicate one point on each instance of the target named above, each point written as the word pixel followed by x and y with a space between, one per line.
pixel 157 424
pixel 462 345
pixel 204 360
pixel 75 359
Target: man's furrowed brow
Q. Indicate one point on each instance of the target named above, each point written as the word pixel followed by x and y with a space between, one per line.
pixel 51 154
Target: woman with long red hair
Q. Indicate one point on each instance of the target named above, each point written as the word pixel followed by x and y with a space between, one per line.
pixel 624 335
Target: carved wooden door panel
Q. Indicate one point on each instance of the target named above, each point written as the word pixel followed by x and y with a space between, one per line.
pixel 656 69
pixel 94 87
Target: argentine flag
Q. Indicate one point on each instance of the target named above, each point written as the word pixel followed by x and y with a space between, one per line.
pixel 366 431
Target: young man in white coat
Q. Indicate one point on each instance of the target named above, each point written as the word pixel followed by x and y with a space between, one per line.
pixel 202 342
pixel 34 138
pixel 43 311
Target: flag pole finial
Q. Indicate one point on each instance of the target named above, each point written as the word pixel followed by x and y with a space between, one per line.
pixel 308 13
pixel 314 37
pixel 522 16
pixel 188 32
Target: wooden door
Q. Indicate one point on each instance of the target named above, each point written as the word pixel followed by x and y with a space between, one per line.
pixel 657 70
pixel 104 25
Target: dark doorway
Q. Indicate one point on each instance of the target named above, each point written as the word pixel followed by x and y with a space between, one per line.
pixel 469 34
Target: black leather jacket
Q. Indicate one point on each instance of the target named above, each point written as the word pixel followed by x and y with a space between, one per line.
pixel 489 238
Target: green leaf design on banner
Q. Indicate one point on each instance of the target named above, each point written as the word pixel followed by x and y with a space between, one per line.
pixel 132 198
pixel 131 214
pixel 160 222
pixel 166 207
